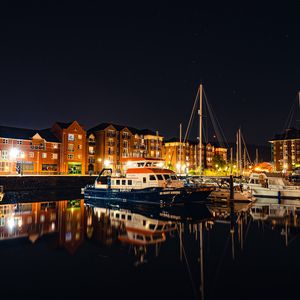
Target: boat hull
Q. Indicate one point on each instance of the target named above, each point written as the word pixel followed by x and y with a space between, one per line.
pixel 148 195
pixel 276 193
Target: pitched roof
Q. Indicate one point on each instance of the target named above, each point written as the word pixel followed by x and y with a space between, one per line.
pixel 288 134
pixel 26 134
pixel 64 125
pixel 133 130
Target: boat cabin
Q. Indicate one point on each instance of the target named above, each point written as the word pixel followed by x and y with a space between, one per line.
pixel 141 175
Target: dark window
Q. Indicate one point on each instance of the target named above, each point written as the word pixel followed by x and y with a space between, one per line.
pixel 117 216
pixel 144 222
pixel 129 182
pixel 144 179
pixel 117 182
pixel 123 217
pixel 139 237
pixel 123 182
pixel 159 177
pixel 152 177
pixel 152 226
pixel 129 218
pixel 159 227
pixel 173 177
pixel 166 176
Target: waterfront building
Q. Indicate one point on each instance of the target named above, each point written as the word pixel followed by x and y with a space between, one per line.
pixel 285 149
pixel 112 145
pixel 28 151
pixel 72 137
pixel 183 157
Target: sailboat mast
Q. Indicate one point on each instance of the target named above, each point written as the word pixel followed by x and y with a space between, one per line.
pixel 200 129
pixel 180 146
pixel 240 152
pixel 237 152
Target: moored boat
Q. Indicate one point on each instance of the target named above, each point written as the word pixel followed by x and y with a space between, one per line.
pixel 144 182
pixel 268 185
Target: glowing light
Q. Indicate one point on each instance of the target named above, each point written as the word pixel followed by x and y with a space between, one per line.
pixel 11 223
pixel 160 164
pixel 20 222
pixel 14 152
pixel 106 163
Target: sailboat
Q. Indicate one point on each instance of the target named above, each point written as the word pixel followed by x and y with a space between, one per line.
pixel 220 192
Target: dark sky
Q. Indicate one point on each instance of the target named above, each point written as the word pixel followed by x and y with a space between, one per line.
pixel 141 64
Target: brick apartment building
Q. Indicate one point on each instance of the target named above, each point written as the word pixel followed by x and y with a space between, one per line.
pixel 29 151
pixel 72 139
pixel 56 150
pixel 285 149
pixel 112 145
pixel 183 157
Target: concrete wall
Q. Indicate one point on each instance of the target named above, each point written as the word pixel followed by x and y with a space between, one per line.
pixel 36 183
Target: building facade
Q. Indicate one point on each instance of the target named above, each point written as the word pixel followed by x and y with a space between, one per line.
pixel 72 137
pixel 112 145
pixel 27 151
pixel 183 157
pixel 285 149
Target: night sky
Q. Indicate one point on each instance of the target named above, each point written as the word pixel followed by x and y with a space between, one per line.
pixel 140 64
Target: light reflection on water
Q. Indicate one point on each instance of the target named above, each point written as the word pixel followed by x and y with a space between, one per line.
pixel 199 251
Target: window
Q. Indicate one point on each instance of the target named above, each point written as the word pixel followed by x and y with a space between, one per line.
pixel 129 217
pixel 129 182
pixel 71 137
pixel 117 182
pixel 159 177
pixel 70 156
pixel 117 216
pixel 44 155
pixel 19 142
pixel 71 147
pixel 31 154
pixel 144 180
pixel 79 147
pixel 55 146
pixel 79 136
pixel 123 217
pixel 5 141
pixel 123 182
pixel 167 176
pixel 79 156
pixel 152 177
pixel 4 154
pixel 54 155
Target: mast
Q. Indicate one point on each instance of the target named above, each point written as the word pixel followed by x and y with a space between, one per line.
pixel 200 129
pixel 237 152
pixel 240 152
pixel 180 146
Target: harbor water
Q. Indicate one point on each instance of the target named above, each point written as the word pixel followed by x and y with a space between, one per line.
pixel 75 249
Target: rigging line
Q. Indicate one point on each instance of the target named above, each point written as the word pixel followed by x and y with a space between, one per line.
pixel 191 116
pixel 188 268
pixel 290 115
pixel 248 156
pixel 295 237
pixel 218 127
pixel 247 230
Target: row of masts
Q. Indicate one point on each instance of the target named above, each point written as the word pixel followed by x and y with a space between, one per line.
pixel 241 161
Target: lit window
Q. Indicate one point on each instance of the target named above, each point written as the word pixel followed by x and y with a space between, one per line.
pixel 79 136
pixel 70 137
pixel 54 156
pixel 44 155
pixel 31 154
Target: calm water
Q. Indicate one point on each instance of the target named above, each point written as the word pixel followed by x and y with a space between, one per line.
pixel 72 249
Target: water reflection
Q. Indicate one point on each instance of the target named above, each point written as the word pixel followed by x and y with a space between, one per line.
pixel 36 219
pixel 204 238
